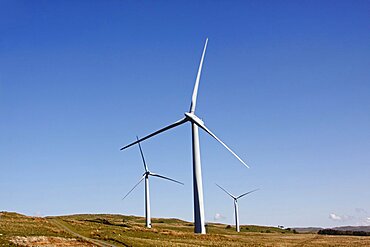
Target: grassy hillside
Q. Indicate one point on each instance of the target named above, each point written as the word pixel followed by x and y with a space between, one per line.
pixel 120 230
pixel 15 227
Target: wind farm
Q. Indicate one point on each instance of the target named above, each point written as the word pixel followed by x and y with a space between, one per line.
pixel 124 230
pixel 267 94
pixel 196 123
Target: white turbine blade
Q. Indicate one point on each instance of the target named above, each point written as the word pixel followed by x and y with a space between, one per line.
pixel 134 187
pixel 226 191
pixel 181 121
pixel 195 91
pixel 142 155
pixel 223 144
pixel 160 176
pixel 246 193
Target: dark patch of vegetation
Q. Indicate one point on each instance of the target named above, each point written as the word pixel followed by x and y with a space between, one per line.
pixel 116 241
pixel 106 222
pixel 158 221
pixel 228 227
pixel 262 229
pixel 167 221
pixel 339 232
pixel 291 230
pixel 101 221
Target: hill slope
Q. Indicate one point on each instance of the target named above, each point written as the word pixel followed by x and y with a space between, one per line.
pixel 120 230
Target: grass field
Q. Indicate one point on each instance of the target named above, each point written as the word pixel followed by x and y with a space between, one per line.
pixel 120 230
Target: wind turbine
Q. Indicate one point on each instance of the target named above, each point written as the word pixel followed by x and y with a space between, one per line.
pixel 199 221
pixel 236 205
pixel 145 176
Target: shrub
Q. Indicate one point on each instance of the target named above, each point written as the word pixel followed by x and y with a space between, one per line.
pixel 338 232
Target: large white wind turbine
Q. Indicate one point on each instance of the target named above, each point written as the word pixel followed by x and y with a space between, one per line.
pixel 199 223
pixel 236 205
pixel 145 176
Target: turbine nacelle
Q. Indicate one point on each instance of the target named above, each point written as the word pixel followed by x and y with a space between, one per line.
pixel 236 197
pixel 147 173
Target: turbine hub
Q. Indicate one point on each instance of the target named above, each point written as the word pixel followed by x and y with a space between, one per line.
pixel 193 118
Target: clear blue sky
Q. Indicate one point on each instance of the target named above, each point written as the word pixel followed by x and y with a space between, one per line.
pixel 286 84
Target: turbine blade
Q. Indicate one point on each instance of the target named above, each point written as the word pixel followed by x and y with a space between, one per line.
pixel 133 187
pixel 223 144
pixel 195 91
pixel 246 193
pixel 160 176
pixel 142 155
pixel 226 191
pixel 181 121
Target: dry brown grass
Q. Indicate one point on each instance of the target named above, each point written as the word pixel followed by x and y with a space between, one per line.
pixel 130 231
pixel 47 241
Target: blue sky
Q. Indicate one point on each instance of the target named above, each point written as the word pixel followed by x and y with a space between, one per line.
pixel 285 84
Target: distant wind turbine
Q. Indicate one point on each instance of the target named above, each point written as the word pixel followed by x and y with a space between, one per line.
pixel 146 177
pixel 199 223
pixel 236 205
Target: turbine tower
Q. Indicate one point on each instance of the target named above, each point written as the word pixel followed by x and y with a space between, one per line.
pixel 196 122
pixel 236 205
pixel 145 176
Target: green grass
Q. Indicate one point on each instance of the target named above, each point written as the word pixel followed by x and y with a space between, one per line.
pixel 123 230
pixel 13 224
